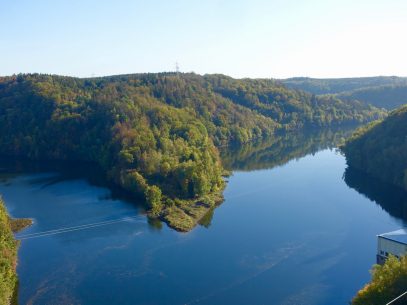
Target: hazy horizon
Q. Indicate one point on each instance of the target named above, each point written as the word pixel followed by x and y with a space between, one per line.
pixel 203 74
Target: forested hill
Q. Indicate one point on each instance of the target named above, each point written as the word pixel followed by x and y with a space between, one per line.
pixel 156 134
pixel 247 108
pixel 389 96
pixel 292 109
pixel 380 149
pixel 382 91
pixel 338 85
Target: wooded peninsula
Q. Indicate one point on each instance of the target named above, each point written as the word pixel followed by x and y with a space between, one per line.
pixel 157 135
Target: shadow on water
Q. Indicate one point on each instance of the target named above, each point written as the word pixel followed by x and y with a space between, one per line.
pixel 281 148
pixel 61 171
pixel 64 199
pixel 390 198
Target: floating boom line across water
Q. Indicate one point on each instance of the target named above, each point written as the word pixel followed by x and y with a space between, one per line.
pixel 75 228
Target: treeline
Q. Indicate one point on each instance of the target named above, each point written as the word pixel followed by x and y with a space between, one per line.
pixel 380 149
pixel 8 259
pixel 155 134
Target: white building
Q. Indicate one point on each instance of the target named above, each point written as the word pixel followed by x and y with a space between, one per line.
pixel 394 243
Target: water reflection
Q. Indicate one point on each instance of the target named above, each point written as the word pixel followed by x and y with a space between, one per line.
pixel 280 149
pixel 64 195
pixel 390 198
pixel 73 177
pixel 59 171
pixel 267 244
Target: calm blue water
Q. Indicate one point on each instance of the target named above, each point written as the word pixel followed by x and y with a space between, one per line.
pixel 292 234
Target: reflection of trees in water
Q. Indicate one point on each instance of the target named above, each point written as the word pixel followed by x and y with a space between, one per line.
pixel 67 177
pixel 61 171
pixel 390 198
pixel 280 149
pixel 271 152
pixel 206 221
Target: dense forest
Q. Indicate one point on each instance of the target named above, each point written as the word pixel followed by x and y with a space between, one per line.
pixel 291 109
pixel 387 92
pixel 380 148
pixel 157 135
pixel 388 282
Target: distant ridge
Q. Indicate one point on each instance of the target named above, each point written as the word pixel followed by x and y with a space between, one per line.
pixel 387 92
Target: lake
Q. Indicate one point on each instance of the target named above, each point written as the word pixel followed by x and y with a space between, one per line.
pixel 296 227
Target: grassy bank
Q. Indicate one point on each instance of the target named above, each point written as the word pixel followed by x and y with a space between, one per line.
pixel 184 216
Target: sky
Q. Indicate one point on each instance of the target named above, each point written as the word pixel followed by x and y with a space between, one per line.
pixel 240 38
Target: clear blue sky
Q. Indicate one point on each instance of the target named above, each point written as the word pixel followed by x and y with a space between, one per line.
pixel 241 38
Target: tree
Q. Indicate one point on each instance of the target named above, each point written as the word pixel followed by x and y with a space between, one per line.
pixel 388 282
pixel 153 198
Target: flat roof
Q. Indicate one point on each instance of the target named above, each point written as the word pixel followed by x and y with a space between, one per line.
pixel 398 236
